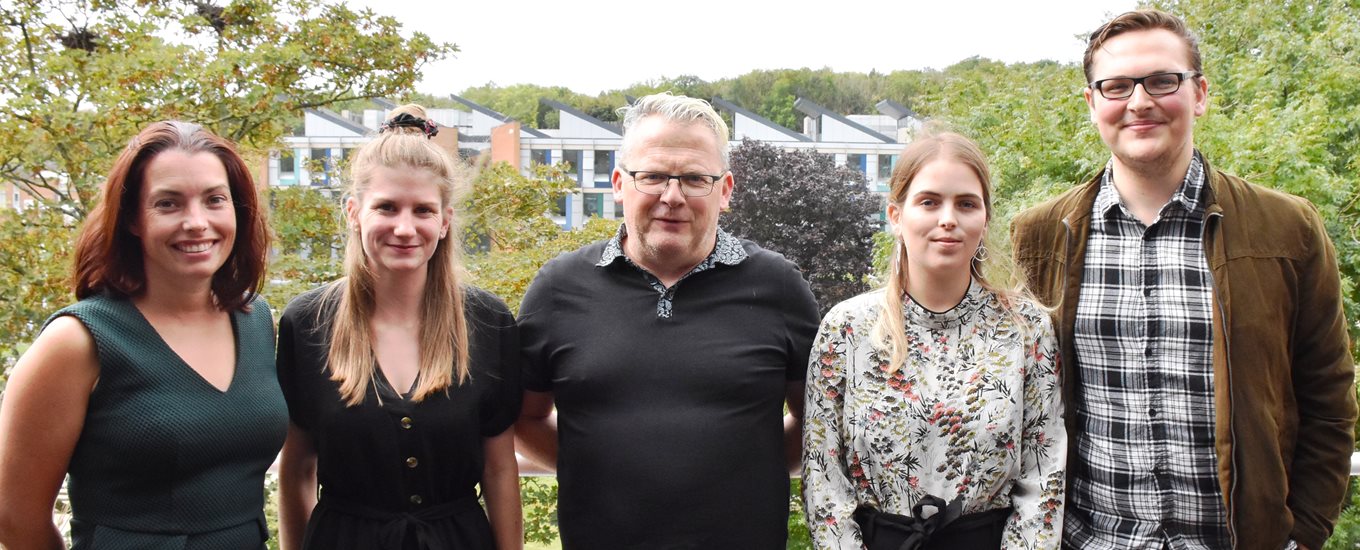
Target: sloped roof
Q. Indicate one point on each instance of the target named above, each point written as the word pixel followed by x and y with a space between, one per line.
pixel 812 109
pixel 478 108
pixel 895 109
pixel 581 115
pixel 728 105
pixel 333 117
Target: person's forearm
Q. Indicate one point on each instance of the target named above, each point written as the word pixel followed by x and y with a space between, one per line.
pixel 500 489
pixel 297 487
pixel 24 534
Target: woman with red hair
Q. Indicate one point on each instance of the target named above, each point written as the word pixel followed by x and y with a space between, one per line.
pixel 156 391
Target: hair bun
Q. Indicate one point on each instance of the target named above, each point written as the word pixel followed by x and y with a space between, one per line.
pixel 408 120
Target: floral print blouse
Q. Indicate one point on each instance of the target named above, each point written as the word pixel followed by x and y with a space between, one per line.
pixel 974 413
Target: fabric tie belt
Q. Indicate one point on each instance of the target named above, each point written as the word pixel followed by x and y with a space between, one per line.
pixel 884 531
pixel 396 526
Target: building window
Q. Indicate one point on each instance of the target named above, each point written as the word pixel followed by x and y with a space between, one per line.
pixel 593 205
pixel 886 163
pixel 540 156
pixel 604 163
pixel 572 157
pixel 287 164
pixel 560 209
pixel 856 161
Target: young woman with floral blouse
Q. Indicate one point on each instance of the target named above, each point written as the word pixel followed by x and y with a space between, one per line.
pixel 932 404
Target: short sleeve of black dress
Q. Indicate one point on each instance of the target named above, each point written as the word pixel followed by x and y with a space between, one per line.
pixel 303 333
pixel 495 360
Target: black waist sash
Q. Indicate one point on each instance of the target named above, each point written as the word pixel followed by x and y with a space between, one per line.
pixel 396 525
pixel 949 527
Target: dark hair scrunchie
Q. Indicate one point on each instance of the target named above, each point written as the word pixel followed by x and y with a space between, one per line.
pixel 407 120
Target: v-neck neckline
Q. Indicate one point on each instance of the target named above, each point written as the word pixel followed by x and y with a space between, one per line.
pixel 165 347
pixel 382 376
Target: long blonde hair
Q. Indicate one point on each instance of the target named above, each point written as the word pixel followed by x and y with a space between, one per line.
pixel 890 331
pixel 443 326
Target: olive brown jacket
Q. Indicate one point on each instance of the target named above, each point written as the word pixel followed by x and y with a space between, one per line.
pixel 1284 397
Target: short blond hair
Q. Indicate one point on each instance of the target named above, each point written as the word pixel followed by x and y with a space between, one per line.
pixel 675 108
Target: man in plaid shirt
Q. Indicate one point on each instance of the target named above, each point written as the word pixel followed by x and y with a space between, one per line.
pixel 1208 376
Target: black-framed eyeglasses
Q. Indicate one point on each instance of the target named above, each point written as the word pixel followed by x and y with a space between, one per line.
pixel 1156 84
pixel 691 185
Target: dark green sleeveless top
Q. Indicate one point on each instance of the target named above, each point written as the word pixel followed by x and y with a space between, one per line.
pixel 165 460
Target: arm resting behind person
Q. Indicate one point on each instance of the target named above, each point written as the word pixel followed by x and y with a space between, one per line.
pixel 793 426
pixel 41 417
pixel 535 432
pixel 297 487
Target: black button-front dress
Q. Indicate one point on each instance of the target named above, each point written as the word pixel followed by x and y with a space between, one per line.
pixel 395 474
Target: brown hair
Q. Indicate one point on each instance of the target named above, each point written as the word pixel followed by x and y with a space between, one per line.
pixel 443 326
pixel 109 258
pixel 890 330
pixel 1141 20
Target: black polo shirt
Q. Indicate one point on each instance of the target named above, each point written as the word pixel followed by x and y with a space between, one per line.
pixel 669 400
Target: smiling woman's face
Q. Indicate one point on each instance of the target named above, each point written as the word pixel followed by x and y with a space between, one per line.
pixel 400 218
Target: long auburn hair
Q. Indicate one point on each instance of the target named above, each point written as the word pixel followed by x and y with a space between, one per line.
pixel 890 330
pixel 109 258
pixel 443 325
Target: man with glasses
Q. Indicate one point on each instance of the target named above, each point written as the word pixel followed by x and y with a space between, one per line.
pixel 1207 374
pixel 669 351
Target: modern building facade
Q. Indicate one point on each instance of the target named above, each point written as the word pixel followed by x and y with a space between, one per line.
pixel 868 143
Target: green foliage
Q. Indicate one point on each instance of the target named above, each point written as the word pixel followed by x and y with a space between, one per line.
pixel 800 538
pixel 309 234
pixel 34 271
pixel 506 222
pixel 800 204
pixel 1284 109
pixel 539 495
pixel 508 209
pixel 79 78
pixel 508 273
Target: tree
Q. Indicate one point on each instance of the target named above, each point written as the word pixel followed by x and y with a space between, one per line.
pixel 33 270
pixel 507 211
pixel 800 204
pixel 79 78
pixel 1284 110
pixel 309 231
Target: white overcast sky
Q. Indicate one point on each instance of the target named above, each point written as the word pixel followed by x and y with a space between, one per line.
pixel 594 45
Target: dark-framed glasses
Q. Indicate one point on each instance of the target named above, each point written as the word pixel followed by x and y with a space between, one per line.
pixel 1156 84
pixel 691 185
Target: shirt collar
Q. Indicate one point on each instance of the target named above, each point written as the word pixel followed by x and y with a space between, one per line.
pixel 727 250
pixel 1190 195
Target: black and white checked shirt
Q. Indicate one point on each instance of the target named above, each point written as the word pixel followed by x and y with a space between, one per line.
pixel 1146 472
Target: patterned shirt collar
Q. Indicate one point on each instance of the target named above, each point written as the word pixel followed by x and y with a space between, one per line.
pixel 960 314
pixel 1189 197
pixel 727 251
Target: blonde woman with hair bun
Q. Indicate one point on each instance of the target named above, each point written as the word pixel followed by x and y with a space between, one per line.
pixel 402 381
pixel 932 417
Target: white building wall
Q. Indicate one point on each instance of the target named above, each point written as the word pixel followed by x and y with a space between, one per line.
pixel 882 124
pixel 748 128
pixel 835 130
pixel 574 126
pixel 314 125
